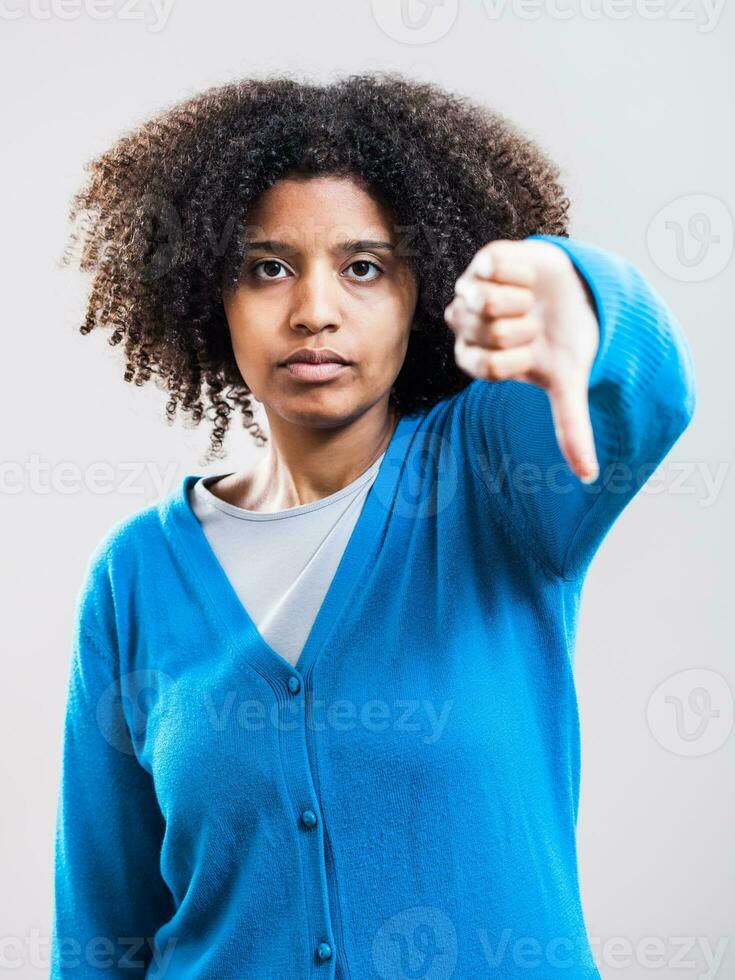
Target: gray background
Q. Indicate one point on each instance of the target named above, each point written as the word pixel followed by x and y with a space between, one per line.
pixel 633 98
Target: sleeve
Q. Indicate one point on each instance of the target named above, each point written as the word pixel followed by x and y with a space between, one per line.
pixel 109 895
pixel 641 398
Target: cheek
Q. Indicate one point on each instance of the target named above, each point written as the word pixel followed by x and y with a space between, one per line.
pixel 253 358
pixel 400 329
pixel 248 328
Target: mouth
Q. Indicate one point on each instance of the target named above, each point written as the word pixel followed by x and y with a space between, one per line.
pixel 310 371
pixel 315 364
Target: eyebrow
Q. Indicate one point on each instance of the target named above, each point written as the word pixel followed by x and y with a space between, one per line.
pixel 350 245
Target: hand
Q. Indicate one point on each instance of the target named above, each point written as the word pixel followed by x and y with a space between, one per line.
pixel 521 310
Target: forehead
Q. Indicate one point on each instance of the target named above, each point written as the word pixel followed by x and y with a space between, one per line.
pixel 319 206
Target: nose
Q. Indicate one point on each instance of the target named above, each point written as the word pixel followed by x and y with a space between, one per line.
pixel 315 304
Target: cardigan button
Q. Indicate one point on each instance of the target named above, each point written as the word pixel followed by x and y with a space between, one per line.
pixel 308 819
pixel 324 951
pixel 294 684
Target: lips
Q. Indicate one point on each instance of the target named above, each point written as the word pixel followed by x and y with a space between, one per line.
pixel 311 355
pixel 311 371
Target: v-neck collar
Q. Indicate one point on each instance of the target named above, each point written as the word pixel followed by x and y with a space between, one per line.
pixel 187 536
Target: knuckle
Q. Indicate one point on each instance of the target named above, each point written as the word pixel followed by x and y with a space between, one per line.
pixel 461 359
pixel 504 250
pixel 499 247
pixel 461 284
pixel 493 301
pixel 493 368
pixel 555 256
pixel 500 334
pixel 463 322
pixel 498 255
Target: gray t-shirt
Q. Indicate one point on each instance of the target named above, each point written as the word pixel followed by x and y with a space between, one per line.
pixel 282 563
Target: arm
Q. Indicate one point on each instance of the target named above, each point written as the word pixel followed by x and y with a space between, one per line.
pixel 641 397
pixel 109 895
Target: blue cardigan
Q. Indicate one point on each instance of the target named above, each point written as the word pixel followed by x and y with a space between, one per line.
pixel 402 802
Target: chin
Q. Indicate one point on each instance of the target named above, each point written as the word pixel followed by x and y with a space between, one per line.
pixel 319 411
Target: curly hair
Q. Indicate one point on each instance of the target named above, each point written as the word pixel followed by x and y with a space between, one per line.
pixel 160 222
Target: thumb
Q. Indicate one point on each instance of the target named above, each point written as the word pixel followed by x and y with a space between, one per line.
pixel 573 426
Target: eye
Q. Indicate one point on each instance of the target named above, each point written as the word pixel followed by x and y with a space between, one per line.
pixel 363 265
pixel 271 268
pixel 269 264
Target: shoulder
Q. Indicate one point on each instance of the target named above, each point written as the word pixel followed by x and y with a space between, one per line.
pixel 458 420
pixel 127 546
pixel 454 437
pixel 129 533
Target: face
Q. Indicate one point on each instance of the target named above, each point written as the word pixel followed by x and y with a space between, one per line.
pixel 321 274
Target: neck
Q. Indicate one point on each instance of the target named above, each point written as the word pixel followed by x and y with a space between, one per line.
pixel 303 464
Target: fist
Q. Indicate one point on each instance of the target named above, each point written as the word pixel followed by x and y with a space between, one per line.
pixel 522 311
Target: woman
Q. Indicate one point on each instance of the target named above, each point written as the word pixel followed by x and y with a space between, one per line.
pixel 322 717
